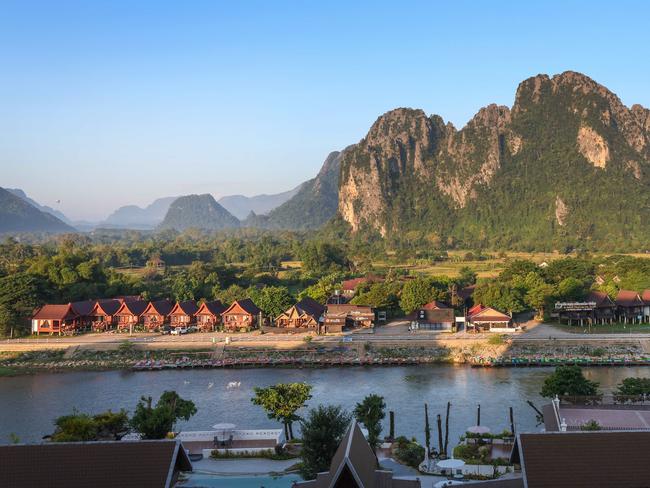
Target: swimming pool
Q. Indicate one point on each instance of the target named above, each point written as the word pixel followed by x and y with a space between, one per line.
pixel 261 481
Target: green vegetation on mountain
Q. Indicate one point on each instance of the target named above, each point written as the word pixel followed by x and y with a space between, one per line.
pixel 197 211
pixel 314 204
pixel 18 215
pixel 567 167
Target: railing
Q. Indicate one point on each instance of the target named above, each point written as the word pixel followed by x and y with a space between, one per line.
pixel 609 399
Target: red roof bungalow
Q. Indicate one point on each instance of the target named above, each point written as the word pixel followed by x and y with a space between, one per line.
pixel 481 318
pixel 208 316
pixel 156 313
pixel 183 313
pixel 349 287
pixel 55 319
pixel 129 314
pixel 339 317
pixel 101 315
pixel 241 315
pixel 435 315
pixel 629 306
pixel 306 314
pixel 83 309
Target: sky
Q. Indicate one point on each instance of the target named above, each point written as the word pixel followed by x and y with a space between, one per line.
pixel 109 103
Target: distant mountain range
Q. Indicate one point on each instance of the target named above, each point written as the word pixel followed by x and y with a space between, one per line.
pixel 43 208
pixel 198 211
pixel 134 217
pixel 17 215
pixel 241 206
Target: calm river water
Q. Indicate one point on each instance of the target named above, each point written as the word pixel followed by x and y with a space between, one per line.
pixel 28 404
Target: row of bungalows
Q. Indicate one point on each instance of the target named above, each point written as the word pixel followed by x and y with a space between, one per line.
pixel 598 308
pixel 132 314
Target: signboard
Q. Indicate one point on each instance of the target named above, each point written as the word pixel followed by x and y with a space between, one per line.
pixel 575 306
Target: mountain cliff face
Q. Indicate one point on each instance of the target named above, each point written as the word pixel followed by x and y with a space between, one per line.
pixel 18 215
pixel 314 204
pixel 197 211
pixel 568 164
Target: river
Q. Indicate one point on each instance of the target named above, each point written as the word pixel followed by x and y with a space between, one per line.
pixel 30 403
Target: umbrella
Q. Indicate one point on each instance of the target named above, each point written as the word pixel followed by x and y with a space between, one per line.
pixel 450 464
pixel 478 429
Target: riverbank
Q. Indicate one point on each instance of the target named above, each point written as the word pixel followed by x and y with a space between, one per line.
pixel 486 352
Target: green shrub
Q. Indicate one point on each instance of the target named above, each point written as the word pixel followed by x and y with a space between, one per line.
pixel 409 452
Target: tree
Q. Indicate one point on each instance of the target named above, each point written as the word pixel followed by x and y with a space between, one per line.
pixel 272 300
pixel 322 432
pixel 418 292
pixel 568 381
pixel 634 387
pixel 370 412
pixel 156 422
pixel 81 427
pixel 281 402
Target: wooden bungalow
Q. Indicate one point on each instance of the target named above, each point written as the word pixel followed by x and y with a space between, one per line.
pixel 435 315
pixel 304 315
pixel 645 296
pixel 487 319
pixel 83 309
pixel 183 314
pixel 339 317
pixel 55 319
pixel 129 315
pixel 156 313
pixel 208 316
pixel 629 307
pixel 241 315
pixel 103 313
pixel 597 308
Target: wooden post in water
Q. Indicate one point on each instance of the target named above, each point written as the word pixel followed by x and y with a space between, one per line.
pixel 391 429
pixel 447 427
pixel 427 429
pixel 478 415
pixel 439 422
pixel 512 422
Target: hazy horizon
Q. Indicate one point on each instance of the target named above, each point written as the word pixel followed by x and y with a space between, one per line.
pixel 106 105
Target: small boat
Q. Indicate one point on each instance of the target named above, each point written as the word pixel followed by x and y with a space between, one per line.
pixel 233 384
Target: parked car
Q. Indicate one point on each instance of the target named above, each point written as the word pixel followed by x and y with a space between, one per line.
pixel 165 329
pixel 179 330
pixel 192 328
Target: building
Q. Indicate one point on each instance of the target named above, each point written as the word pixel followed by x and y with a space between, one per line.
pixel 183 314
pixel 435 316
pixel 128 316
pixel 307 315
pixel 83 309
pixel 560 416
pixel 114 464
pixel 55 319
pixel 355 465
pixel 208 316
pixel 349 287
pixel 241 315
pixel 645 296
pixel 339 317
pixel 629 307
pixel 597 308
pixel 156 313
pixel 102 314
pixel 480 318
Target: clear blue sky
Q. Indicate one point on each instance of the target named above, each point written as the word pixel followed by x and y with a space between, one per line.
pixel 106 103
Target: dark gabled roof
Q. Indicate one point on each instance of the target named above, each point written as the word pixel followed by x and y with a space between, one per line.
pixel 188 307
pixel 214 307
pixel 600 298
pixel 136 307
pixel 311 307
pixel 109 307
pixel 628 298
pixel 54 312
pixel 92 464
pixel 161 307
pixel 247 305
pixel 584 459
pixel 83 308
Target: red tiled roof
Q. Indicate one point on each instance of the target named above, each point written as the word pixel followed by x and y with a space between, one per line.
pixel 54 312
pixel 434 305
pixel 352 284
pixel 645 296
pixel 628 298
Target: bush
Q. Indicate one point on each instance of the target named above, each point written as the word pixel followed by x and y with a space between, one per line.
pixel 409 452
pixel 496 340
